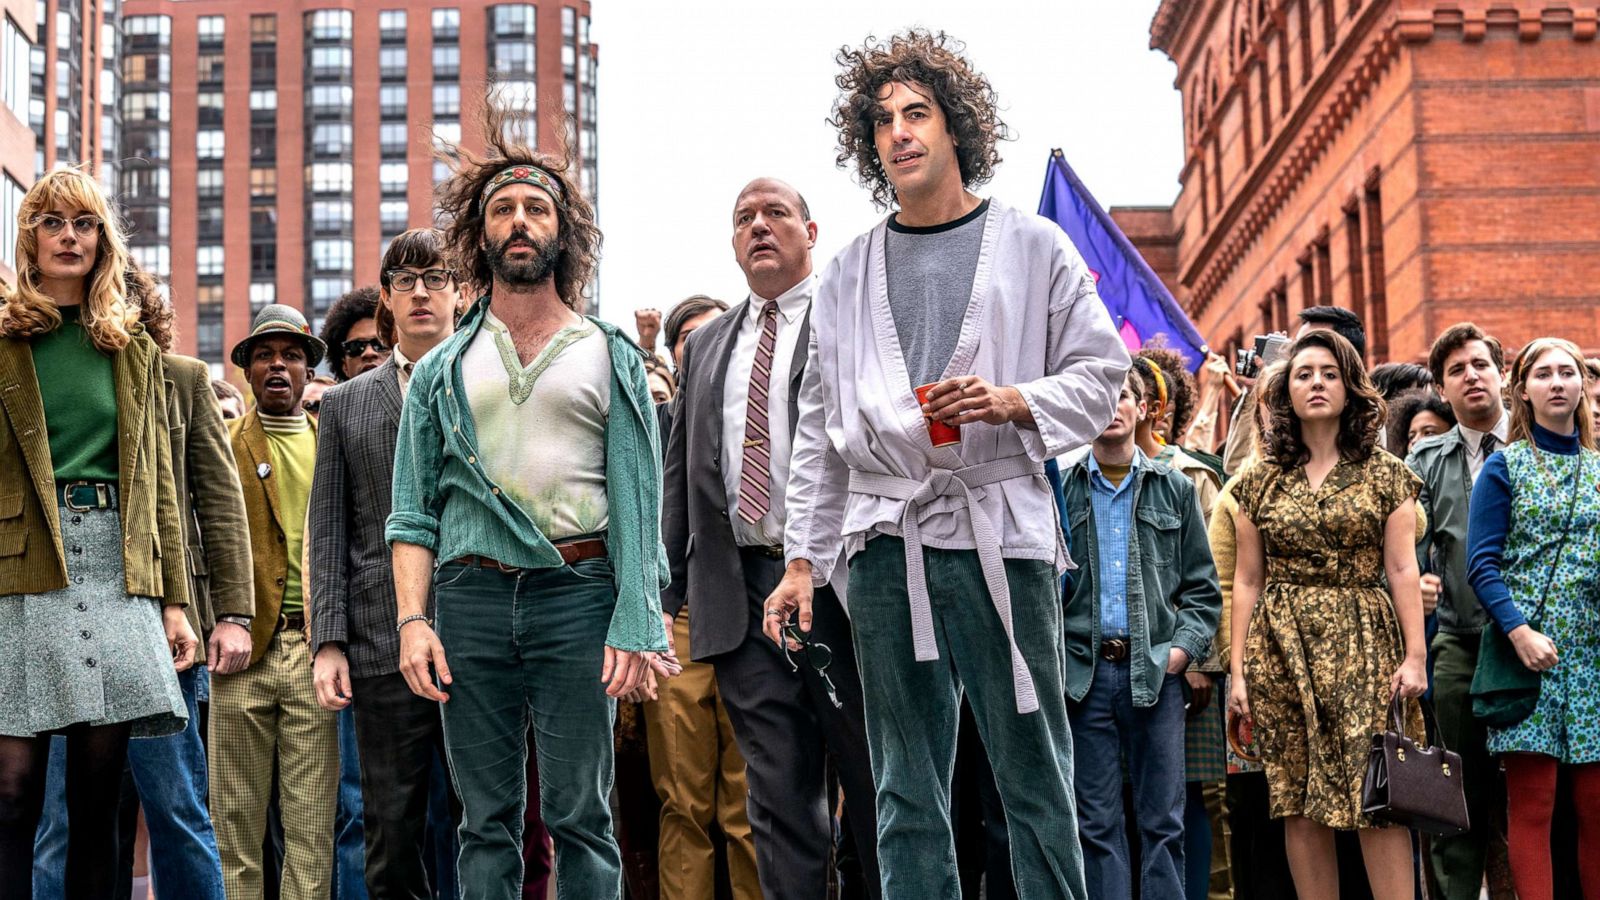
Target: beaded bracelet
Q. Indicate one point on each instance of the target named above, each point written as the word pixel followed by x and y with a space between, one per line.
pixel 409 619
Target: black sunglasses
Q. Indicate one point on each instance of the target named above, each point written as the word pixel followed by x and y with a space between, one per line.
pixel 311 406
pixel 433 279
pixel 818 654
pixel 358 346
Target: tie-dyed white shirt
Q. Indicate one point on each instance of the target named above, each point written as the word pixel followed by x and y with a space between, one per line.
pixel 542 427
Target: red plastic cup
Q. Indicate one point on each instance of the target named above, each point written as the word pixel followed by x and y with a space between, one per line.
pixel 942 434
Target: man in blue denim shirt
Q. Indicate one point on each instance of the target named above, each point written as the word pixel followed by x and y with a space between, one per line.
pixel 1144 605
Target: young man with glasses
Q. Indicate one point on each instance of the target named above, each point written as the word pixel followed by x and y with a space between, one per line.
pixel 352 595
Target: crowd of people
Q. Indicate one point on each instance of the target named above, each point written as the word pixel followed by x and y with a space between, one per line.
pixel 901 578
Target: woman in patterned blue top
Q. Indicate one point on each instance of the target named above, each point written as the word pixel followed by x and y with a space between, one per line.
pixel 1533 561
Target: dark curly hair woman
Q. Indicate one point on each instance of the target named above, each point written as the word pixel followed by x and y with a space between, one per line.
pixel 1328 609
pixel 933 65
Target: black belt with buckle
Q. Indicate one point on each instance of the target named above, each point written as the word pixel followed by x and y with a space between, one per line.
pixel 82 496
pixel 763 550
pixel 292 621
pixel 1114 649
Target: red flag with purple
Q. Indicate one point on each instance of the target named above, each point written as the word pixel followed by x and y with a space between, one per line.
pixel 1140 305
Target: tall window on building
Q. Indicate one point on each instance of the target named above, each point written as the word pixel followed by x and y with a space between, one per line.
pixel 15 86
pixel 1324 262
pixel 11 194
pixel 1355 267
pixel 1330 26
pixel 1308 280
pixel 1377 274
pixel 1280 303
pixel 1303 19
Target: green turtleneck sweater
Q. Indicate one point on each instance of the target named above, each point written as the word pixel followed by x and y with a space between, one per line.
pixel 80 402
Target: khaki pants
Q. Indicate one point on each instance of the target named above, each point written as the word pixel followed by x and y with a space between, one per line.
pixel 699 775
pixel 269 711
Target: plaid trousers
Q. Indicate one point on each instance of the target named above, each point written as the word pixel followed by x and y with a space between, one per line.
pixel 269 711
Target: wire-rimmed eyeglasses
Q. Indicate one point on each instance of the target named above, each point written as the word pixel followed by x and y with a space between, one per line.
pixel 820 656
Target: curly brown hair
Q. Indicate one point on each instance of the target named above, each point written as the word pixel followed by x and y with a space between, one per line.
pixel 1180 387
pixel 930 60
pixel 461 207
pixel 144 294
pixel 1360 421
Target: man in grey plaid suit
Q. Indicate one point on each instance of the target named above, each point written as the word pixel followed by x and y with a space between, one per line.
pixel 398 733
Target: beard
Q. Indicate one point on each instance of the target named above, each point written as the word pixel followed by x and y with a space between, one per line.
pixel 527 271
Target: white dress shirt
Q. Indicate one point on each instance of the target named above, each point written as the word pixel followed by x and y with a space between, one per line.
pixel 402 370
pixel 792 307
pixel 1473 439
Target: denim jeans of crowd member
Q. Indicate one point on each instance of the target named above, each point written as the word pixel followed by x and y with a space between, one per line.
pixel 913 711
pixel 170 773
pixel 349 849
pixel 521 645
pixel 1106 726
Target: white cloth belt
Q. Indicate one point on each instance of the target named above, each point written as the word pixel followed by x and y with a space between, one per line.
pixel 955 483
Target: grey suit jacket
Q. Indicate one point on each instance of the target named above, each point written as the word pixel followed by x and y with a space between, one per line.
pixel 352 584
pixel 216 538
pixel 706 571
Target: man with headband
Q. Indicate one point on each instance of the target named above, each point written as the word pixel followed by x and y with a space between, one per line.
pixel 527 490
pixel 955 550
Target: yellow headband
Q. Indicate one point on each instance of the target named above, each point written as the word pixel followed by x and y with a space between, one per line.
pixel 1161 381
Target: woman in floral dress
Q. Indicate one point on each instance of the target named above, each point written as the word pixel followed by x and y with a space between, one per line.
pixel 1327 608
pixel 1534 560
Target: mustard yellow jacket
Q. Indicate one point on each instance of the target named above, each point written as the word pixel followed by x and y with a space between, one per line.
pixel 269 548
pixel 32 560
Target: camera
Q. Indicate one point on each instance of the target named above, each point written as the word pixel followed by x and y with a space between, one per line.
pixel 1268 347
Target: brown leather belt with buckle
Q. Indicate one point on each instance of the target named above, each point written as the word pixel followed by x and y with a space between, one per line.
pixel 292 622
pixel 1114 649
pixel 571 552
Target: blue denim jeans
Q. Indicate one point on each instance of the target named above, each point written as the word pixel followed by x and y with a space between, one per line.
pixel 170 773
pixel 529 647
pixel 1107 727
pixel 349 845
pixel 913 709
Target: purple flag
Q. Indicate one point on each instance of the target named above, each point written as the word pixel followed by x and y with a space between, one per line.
pixel 1140 305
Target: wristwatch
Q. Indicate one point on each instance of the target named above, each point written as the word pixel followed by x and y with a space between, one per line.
pixel 241 621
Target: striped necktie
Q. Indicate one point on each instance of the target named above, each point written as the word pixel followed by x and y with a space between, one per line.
pixel 755 475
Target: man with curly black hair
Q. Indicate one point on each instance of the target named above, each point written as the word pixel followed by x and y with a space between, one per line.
pixel 993 313
pixel 351 333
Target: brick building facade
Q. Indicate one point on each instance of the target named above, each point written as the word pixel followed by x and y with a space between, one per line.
pixel 273 147
pixel 1418 162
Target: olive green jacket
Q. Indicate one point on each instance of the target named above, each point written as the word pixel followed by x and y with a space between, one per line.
pixel 269 547
pixel 32 560
pixel 216 543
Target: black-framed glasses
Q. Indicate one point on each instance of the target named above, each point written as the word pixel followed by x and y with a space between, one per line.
pixel 312 406
pixel 818 654
pixel 432 279
pixel 82 226
pixel 358 346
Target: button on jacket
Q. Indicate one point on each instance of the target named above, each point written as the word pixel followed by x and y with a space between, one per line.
pixel 32 560
pixel 444 501
pixel 269 547
pixel 1172 593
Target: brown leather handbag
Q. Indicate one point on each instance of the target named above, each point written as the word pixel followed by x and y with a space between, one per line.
pixel 1415 786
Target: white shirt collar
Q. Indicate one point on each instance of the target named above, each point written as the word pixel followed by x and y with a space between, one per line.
pixel 792 304
pixel 1474 437
pixel 400 359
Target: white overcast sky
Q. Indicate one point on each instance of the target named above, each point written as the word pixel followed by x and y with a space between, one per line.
pixel 697 98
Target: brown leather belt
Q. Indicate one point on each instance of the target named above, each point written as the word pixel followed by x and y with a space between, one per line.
pixel 1114 649
pixel 571 552
pixel 292 621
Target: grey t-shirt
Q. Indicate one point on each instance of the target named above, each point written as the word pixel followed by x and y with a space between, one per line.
pixel 930 272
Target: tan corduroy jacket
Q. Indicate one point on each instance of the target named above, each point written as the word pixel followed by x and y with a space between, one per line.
pixel 32 560
pixel 269 547
pixel 216 544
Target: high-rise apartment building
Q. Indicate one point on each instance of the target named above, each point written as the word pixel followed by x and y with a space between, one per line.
pixel 59 97
pixel 271 148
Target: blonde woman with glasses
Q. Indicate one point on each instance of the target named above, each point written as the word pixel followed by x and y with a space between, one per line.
pixel 92 575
